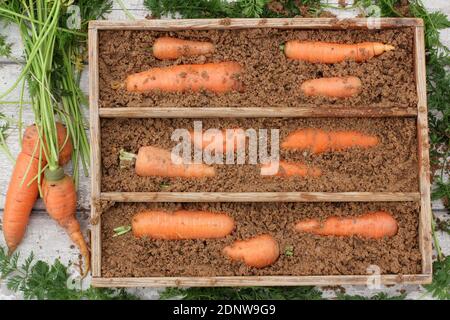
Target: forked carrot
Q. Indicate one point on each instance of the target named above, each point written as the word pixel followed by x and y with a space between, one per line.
pixel 327 52
pixel 335 87
pixel 157 162
pixel 173 48
pixel 290 169
pixel 60 200
pixel 318 141
pixel 374 225
pixel 218 140
pixel 182 224
pixel 215 77
pixel 259 252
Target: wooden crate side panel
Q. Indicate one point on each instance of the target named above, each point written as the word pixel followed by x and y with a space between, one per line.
pixel 423 151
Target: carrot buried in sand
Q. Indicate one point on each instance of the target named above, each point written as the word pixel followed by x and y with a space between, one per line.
pixel 290 169
pixel 179 225
pixel 217 140
pixel 23 186
pixel 318 141
pixel 259 252
pixel 173 48
pixel 215 77
pixel 373 225
pixel 152 161
pixel 327 52
pixel 336 87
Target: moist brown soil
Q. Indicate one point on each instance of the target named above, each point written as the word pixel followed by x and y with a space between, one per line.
pixel 270 79
pixel 389 166
pixel 126 256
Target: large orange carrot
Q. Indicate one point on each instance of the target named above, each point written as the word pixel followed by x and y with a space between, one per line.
pixel 372 225
pixel 20 198
pixel 336 87
pixel 182 225
pixel 326 52
pixel 318 141
pixel 259 252
pixel 153 161
pixel 218 141
pixel 31 143
pixel 23 186
pixel 60 200
pixel 290 169
pixel 216 77
pixel 173 48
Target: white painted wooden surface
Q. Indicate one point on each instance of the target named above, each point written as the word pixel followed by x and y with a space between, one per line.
pixel 49 242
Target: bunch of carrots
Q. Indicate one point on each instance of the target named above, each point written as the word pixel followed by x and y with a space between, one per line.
pixel 223 76
pixel 259 251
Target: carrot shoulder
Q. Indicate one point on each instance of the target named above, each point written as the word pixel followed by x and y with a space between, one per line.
pixel 327 52
pixel 259 252
pixel 173 48
pixel 372 225
pixel 335 87
pixel 318 141
pixel 215 77
pixel 182 225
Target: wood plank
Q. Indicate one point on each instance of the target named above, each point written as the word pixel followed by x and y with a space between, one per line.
pixel 258 196
pixel 307 111
pixel 95 152
pixel 285 23
pixel 425 235
pixel 259 281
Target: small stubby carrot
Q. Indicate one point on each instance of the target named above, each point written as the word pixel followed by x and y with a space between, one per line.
pixel 20 198
pixel 60 199
pixel 174 48
pixel 328 52
pixel 319 141
pixel 334 87
pixel 218 140
pixel 31 143
pixel 218 77
pixel 373 225
pixel 259 252
pixel 290 169
pixel 182 224
pixel 157 162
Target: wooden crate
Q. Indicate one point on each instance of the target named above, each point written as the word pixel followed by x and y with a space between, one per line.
pixel 420 113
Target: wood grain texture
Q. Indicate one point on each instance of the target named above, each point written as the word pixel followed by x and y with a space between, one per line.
pixel 258 196
pixel 423 150
pixel 307 111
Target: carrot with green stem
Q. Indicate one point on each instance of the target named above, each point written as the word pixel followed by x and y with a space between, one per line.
pixel 153 161
pixel 259 252
pixel 179 225
pixel 173 48
pixel 319 141
pixel 335 87
pixel 218 77
pixel 327 52
pixel 373 225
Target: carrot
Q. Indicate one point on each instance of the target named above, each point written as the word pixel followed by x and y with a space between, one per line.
pixel 182 224
pixel 20 198
pixel 219 141
pixel 23 187
pixel 31 139
pixel 290 169
pixel 259 252
pixel 173 48
pixel 326 52
pixel 374 225
pixel 153 161
pixel 335 87
pixel 216 77
pixel 318 141
pixel 60 200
